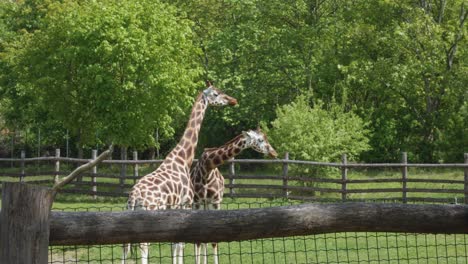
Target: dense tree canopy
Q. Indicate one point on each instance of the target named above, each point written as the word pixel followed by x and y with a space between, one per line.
pixel 121 70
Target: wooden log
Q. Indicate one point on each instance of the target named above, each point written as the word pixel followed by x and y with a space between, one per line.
pixel 24 223
pixel 86 228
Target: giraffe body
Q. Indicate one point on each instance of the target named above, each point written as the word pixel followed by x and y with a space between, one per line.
pixel 207 180
pixel 169 186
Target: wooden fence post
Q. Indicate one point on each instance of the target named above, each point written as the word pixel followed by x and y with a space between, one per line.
pixel 93 174
pixel 24 224
pixel 466 178
pixel 344 177
pixel 23 170
pixel 123 168
pixel 135 167
pixel 404 174
pixel 232 173
pixel 57 165
pixel 285 175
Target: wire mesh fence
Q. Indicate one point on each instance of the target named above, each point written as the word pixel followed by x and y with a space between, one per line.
pixel 351 247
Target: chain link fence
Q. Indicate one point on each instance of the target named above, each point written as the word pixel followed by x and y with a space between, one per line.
pixel 363 247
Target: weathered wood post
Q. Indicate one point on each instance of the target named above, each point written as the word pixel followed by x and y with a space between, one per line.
pixel 23 171
pixel 285 175
pixel 466 178
pixel 57 165
pixel 93 174
pixel 404 175
pixel 24 223
pixel 24 218
pixel 232 173
pixel 123 168
pixel 135 166
pixel 344 177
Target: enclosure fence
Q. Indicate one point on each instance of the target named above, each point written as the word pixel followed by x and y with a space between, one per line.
pixel 267 184
pixel 257 178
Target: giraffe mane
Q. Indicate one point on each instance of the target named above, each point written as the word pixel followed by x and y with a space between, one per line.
pixel 225 144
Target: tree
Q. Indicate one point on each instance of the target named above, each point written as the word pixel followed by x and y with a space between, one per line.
pixel 118 69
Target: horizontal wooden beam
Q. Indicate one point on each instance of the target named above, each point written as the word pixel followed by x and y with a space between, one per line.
pixel 86 228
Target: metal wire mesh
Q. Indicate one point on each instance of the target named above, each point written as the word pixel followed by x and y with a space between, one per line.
pixel 351 247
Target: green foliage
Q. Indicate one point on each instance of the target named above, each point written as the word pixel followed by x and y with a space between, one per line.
pixel 318 134
pixel 119 69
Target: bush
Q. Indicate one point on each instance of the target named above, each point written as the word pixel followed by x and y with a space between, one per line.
pixel 316 133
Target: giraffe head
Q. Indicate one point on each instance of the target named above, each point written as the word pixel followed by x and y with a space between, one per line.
pixel 257 140
pixel 217 98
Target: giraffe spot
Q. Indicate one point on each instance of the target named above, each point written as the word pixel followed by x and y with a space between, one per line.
pixel 237 151
pixel 219 152
pixel 182 154
pixel 157 181
pixel 185 181
pixel 189 133
pixel 217 161
pixel 212 155
pixel 179 160
pixel 189 150
pixel 152 207
pixel 193 124
pixel 225 156
pixel 165 189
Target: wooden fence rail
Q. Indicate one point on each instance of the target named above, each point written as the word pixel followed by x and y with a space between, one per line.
pixel 283 184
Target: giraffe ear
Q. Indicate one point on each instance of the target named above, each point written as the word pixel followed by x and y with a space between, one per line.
pixel 258 128
pixel 208 83
pixel 246 134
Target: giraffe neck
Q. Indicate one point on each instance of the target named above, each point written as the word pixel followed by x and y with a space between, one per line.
pixel 185 149
pixel 214 157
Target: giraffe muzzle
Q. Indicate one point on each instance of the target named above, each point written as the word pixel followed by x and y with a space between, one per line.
pixel 233 102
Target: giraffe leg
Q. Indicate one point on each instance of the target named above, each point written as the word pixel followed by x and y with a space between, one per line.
pixel 197 253
pixel 144 252
pixel 181 252
pixel 205 254
pixel 215 206
pixel 177 253
pixel 126 249
pixel 215 252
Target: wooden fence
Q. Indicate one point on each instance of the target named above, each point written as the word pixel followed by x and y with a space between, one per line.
pixel 113 178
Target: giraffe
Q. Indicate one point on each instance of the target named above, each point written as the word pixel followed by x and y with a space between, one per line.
pixel 169 186
pixel 208 182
